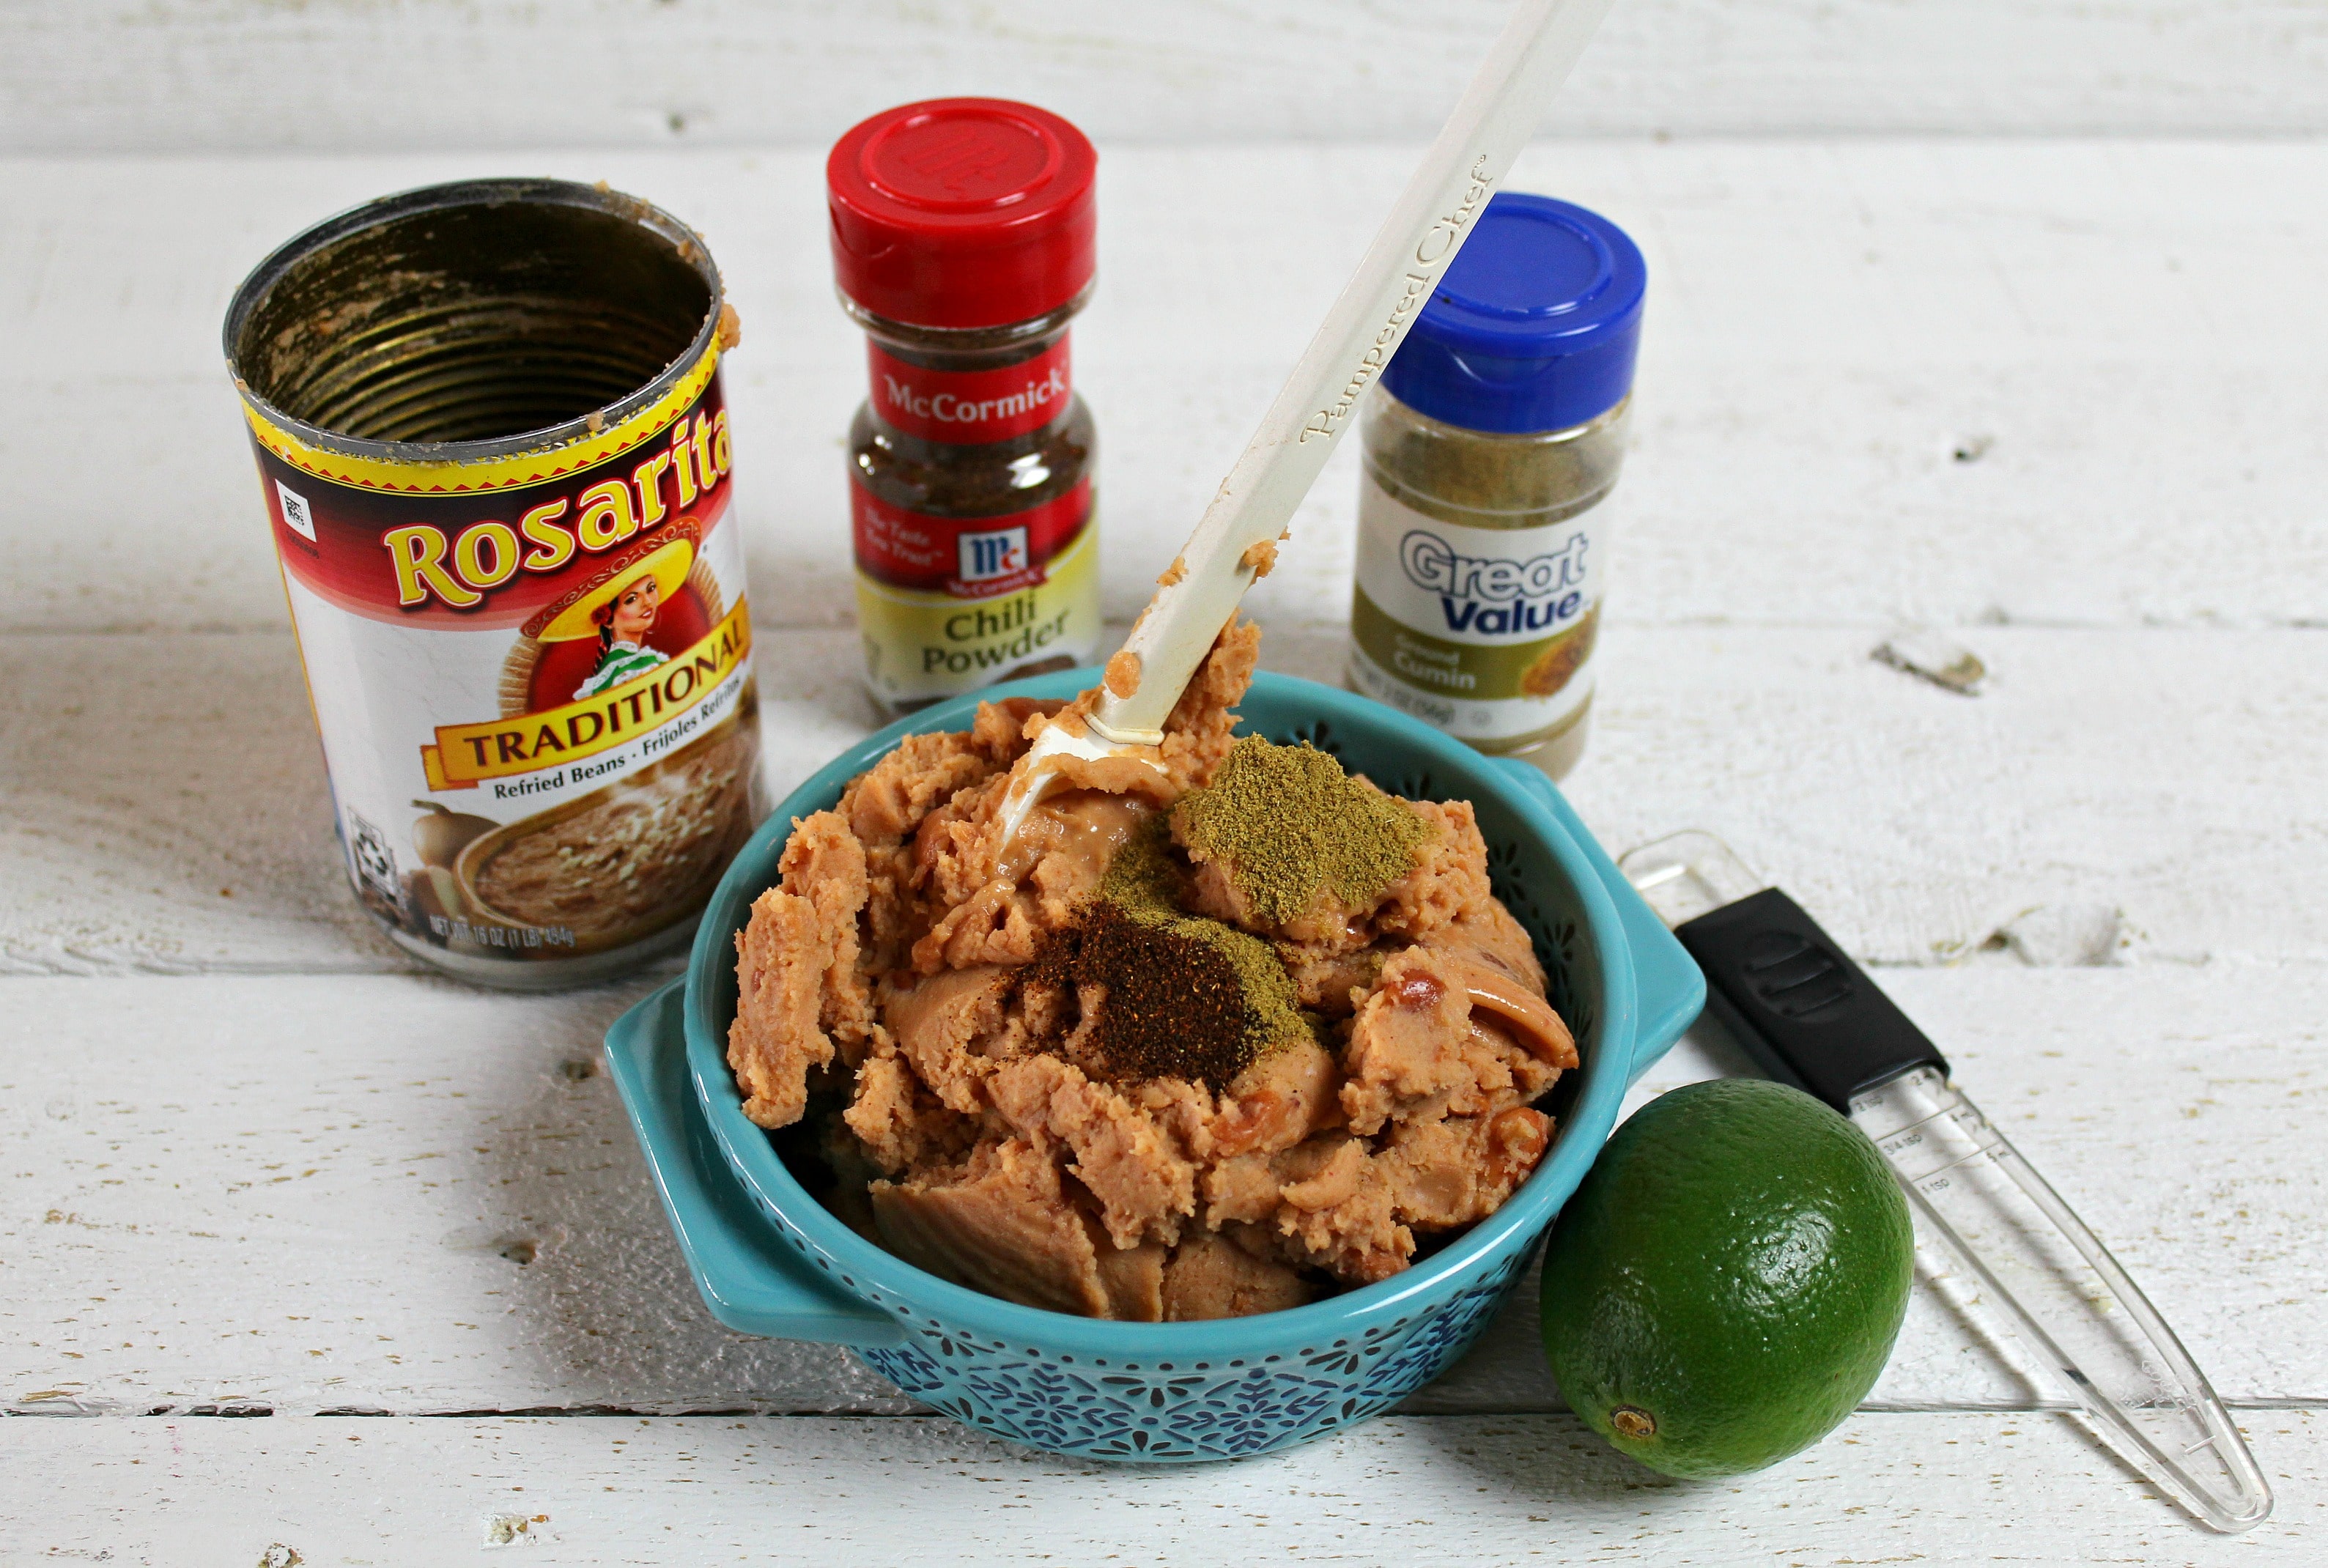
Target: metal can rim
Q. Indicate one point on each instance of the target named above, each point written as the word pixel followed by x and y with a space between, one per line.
pixel 382 210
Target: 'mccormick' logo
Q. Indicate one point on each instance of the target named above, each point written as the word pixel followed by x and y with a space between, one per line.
pixel 983 556
pixel 460 569
pixel 900 398
pixel 962 558
pixel 970 408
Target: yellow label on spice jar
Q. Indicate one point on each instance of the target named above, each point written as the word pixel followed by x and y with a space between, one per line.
pixel 921 645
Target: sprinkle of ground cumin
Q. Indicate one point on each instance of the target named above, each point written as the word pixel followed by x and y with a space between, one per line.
pixel 1290 828
pixel 1187 997
pixel 1141 876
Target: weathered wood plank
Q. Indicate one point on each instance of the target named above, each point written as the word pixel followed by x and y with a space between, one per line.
pixel 384 1194
pixel 2116 795
pixel 389 1193
pixel 249 76
pixel 1928 1488
pixel 2122 338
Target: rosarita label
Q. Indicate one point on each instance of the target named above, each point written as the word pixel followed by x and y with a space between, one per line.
pixel 532 675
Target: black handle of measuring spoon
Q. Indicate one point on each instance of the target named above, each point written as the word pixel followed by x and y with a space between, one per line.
pixel 1806 1014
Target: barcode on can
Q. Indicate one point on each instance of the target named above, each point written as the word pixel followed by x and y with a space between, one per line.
pixel 297 517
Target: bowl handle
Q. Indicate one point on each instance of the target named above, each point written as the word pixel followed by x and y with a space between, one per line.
pixel 752 1282
pixel 1670 987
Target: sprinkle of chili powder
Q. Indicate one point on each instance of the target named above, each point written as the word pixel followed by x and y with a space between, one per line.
pixel 1187 997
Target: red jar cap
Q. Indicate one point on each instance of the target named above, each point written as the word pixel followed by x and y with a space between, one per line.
pixel 962 212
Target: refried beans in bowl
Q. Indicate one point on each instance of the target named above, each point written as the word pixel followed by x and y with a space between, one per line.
pixel 1211 1038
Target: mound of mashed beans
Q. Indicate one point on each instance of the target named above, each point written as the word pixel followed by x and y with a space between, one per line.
pixel 1208 1038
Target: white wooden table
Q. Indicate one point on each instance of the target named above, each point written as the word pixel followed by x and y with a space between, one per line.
pixel 307 1256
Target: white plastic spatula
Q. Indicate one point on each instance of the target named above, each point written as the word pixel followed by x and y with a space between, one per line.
pixel 1428 226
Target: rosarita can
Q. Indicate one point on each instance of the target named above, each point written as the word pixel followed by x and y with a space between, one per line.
pixel 497 464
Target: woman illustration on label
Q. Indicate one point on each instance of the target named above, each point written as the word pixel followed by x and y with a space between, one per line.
pixel 628 619
pixel 624 621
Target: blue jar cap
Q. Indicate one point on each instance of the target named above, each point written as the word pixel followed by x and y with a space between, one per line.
pixel 1536 326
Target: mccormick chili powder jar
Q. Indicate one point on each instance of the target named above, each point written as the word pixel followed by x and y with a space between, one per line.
pixel 962 242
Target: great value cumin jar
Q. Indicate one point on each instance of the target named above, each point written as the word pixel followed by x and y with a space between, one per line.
pixel 1491 448
pixel 496 464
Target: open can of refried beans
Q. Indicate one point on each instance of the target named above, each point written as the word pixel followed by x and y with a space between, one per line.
pixel 497 464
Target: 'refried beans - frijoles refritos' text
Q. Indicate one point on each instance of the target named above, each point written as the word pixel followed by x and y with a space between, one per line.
pixel 1199 1042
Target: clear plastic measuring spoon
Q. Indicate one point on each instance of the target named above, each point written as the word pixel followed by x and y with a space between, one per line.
pixel 2046 1292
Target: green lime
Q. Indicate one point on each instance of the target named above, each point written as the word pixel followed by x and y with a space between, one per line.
pixel 1726 1284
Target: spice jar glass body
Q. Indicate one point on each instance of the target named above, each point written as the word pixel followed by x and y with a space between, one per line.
pixel 999 529
pixel 1444 514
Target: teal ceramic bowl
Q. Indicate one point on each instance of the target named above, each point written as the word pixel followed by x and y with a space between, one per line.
pixel 771 1260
